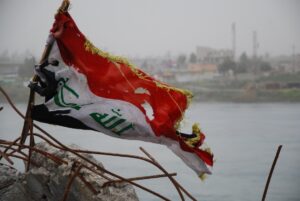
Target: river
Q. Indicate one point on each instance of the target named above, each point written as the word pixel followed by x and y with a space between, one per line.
pixel 244 138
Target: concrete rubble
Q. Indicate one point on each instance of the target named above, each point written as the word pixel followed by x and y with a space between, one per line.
pixel 47 181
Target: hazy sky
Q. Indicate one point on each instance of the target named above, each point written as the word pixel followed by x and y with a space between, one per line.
pixel 155 27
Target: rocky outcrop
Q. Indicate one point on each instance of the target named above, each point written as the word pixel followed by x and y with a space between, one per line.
pixel 47 181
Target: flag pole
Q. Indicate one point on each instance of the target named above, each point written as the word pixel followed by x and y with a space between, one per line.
pixel 28 122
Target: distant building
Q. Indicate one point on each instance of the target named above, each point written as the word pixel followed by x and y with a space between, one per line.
pixel 287 64
pixel 207 55
pixel 193 72
pixel 153 65
pixel 203 68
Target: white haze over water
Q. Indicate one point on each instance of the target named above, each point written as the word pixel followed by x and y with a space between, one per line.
pixel 243 137
pixel 152 28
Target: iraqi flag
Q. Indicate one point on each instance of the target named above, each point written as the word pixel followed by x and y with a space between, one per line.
pixel 98 91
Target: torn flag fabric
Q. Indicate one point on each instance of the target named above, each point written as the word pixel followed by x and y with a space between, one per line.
pixel 97 91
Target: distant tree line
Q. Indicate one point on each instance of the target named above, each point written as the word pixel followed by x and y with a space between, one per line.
pixel 244 65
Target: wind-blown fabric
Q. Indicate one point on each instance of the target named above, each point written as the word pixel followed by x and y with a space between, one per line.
pixel 105 93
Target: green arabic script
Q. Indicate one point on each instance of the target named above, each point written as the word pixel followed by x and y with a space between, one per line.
pixel 112 122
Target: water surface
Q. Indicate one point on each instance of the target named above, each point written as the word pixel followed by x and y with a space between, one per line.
pixel 243 137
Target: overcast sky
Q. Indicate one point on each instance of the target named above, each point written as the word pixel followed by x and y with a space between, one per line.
pixel 155 27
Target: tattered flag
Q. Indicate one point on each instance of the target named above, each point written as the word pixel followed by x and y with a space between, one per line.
pixel 97 91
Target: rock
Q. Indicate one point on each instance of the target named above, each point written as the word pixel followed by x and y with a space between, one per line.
pixel 47 181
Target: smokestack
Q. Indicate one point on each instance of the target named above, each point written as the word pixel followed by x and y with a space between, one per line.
pixel 233 40
pixel 294 57
pixel 255 44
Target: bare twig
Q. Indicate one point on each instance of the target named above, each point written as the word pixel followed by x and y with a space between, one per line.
pixel 11 145
pixel 139 178
pixel 89 185
pixel 6 157
pixel 162 169
pixel 70 181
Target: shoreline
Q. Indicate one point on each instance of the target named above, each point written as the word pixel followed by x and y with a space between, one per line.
pixel 220 94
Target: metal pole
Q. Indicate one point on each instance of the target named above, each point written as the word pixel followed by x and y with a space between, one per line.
pixel 271 172
pixel 28 123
